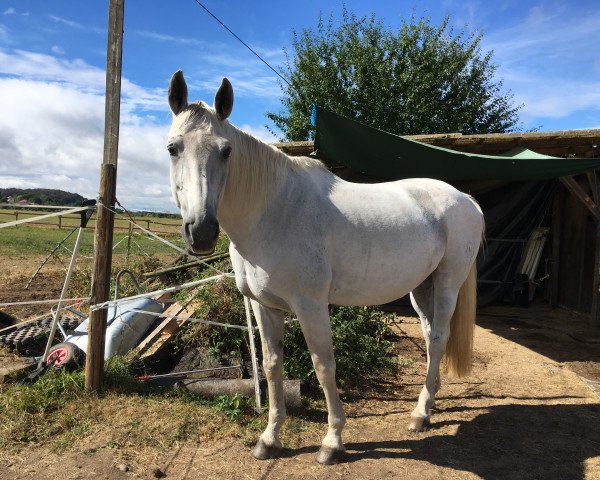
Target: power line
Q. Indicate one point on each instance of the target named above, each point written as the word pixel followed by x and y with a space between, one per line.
pixel 243 43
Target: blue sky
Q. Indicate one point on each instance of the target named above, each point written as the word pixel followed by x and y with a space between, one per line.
pixel 52 60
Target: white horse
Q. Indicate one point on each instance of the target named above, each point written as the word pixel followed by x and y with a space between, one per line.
pixel 302 238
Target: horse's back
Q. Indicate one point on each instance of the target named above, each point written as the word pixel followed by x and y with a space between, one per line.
pixel 390 237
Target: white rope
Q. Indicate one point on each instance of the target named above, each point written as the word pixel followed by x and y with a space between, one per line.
pixel 119 242
pixel 49 207
pixel 160 239
pixel 176 288
pixel 191 319
pixel 37 302
pixel 42 217
pixel 201 320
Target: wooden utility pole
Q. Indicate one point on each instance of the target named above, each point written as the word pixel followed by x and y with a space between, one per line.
pixel 103 236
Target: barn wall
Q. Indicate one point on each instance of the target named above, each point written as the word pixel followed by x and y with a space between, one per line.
pixel 576 254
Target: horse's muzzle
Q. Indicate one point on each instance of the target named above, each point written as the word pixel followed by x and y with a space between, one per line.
pixel 201 237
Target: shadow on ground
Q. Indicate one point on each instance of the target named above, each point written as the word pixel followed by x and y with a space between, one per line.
pixel 544 442
pixel 557 334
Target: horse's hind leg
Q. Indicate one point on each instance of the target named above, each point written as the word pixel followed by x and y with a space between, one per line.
pixel 422 301
pixel 270 324
pixel 316 326
pixel 444 292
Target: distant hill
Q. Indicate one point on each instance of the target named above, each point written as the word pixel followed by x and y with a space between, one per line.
pixel 41 196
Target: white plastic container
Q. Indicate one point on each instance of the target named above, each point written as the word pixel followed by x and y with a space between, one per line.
pixel 124 329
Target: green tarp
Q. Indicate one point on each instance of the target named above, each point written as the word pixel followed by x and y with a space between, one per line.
pixel 390 157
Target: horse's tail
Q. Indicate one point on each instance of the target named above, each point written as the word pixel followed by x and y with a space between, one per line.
pixel 459 350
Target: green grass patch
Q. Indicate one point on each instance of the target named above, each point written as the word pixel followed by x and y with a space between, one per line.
pixel 57 410
pixel 23 241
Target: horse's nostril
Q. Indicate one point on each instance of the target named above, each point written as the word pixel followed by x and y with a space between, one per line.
pixel 188 229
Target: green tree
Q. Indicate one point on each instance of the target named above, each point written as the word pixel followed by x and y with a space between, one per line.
pixel 422 79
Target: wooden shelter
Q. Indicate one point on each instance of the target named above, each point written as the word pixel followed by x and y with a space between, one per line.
pixel 572 252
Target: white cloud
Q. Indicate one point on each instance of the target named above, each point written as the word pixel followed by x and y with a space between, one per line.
pixel 43 67
pixel 9 11
pixel 597 66
pixel 250 77
pixel 51 136
pixel 51 131
pixel 79 75
pixel 52 123
pixel 244 83
pixel 161 37
pixel 64 21
pixel 556 99
pixel 4 36
pixel 549 61
pixel 58 49
pixel 260 132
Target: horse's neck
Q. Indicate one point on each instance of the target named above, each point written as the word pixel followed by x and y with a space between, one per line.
pixel 256 175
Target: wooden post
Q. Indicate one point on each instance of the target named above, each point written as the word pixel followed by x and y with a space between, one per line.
pixel 103 235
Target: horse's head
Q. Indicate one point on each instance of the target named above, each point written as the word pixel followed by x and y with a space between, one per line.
pixel 199 153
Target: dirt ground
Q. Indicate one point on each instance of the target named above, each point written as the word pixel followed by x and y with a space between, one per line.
pixel 529 410
pixel 16 273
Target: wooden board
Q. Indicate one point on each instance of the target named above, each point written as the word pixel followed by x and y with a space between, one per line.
pixel 581 143
pixel 161 334
pixel 13 368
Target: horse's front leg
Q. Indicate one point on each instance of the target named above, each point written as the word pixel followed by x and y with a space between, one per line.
pixel 270 324
pixel 316 326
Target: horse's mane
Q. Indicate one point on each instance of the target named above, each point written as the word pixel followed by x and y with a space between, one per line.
pixel 256 169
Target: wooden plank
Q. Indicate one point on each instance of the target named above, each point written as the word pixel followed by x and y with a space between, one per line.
pixel 574 188
pixel 173 310
pixel 103 234
pixel 164 330
pixel 15 368
pixel 560 143
pixel 594 186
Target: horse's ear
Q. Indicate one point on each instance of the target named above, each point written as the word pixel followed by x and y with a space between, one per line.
pixel 178 93
pixel 224 100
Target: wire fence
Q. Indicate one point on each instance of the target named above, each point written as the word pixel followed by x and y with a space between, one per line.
pixel 165 226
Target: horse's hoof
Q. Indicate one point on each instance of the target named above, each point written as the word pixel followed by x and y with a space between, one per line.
pixel 330 456
pixel 419 424
pixel 262 451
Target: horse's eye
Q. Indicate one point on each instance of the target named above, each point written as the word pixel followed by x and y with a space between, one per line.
pixel 172 149
pixel 226 152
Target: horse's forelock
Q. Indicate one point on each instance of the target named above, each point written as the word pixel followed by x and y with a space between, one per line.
pixel 195 116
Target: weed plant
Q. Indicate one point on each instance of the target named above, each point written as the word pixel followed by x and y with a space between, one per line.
pixel 359 336
pixel 360 346
pixel 219 302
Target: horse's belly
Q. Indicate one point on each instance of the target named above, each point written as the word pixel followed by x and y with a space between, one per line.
pixel 377 279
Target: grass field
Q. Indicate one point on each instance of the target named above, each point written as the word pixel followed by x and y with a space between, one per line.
pixel 25 240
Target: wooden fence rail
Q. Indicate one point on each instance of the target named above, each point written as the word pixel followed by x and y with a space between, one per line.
pixel 70 221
